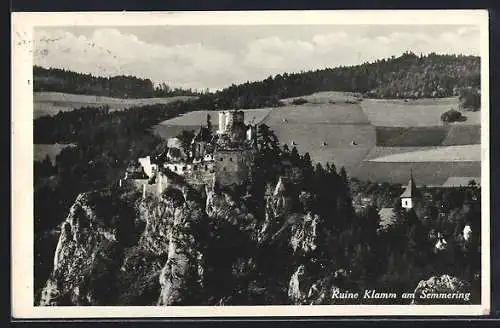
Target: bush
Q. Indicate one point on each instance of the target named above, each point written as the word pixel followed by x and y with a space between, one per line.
pixel 452 116
pixel 470 98
pixel 299 101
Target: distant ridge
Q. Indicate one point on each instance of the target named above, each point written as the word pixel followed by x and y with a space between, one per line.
pixel 121 86
pixel 406 76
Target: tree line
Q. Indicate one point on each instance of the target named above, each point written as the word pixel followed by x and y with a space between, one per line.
pixel 123 86
pixel 406 76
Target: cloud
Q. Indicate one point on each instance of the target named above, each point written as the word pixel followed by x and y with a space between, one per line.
pixel 339 48
pixel 109 52
pixel 201 64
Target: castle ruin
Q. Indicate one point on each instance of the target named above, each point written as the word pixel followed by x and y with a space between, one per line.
pixel 220 159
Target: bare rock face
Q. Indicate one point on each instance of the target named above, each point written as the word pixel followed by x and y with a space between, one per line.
pixel 148 251
pixel 297 289
pixel 181 278
pixel 308 288
pixel 184 247
pixel 111 252
pixel 442 290
pixel 87 254
pixel 305 234
pixel 156 215
pixel 223 209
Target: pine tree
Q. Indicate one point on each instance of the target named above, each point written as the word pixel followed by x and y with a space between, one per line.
pixel 209 123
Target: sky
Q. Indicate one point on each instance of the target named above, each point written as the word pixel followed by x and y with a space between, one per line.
pixel 214 57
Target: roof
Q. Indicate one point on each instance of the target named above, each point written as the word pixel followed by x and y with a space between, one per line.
pixel 203 134
pixel 174 143
pixel 387 217
pixel 411 190
pixel 460 181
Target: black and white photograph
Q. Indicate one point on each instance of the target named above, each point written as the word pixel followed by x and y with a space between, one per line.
pixel 185 164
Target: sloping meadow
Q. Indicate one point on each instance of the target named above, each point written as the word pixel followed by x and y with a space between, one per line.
pixel 364 135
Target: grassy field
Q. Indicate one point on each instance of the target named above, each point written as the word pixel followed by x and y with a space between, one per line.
pixel 192 121
pixel 419 136
pixel 338 138
pixel 41 151
pixel 169 131
pixel 463 135
pixel 464 153
pixel 200 117
pixel 378 151
pixel 50 103
pixel 413 113
pixel 306 127
pixel 339 113
pixel 326 130
pixel 326 97
pixel 429 173
pixel 428 136
pixel 380 140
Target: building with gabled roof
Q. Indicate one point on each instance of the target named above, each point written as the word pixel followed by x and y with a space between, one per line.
pixel 411 194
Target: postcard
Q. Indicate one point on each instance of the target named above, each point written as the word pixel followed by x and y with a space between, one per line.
pixel 250 164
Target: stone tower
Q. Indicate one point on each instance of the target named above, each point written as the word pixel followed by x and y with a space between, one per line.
pixel 233 157
pixel 229 119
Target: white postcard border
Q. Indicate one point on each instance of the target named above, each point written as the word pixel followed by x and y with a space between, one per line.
pixel 22 156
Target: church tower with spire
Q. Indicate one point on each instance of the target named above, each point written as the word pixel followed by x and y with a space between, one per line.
pixel 411 194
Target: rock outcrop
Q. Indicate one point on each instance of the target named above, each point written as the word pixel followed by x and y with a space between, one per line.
pixel 189 247
pixel 89 251
pixel 442 290
pixel 181 278
pixel 304 237
pixel 122 249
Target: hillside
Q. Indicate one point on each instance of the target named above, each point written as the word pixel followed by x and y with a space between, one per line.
pixel 343 129
pixel 406 76
pixel 60 80
pixel 51 103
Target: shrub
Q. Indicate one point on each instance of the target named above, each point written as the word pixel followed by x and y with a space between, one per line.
pixel 452 116
pixel 299 101
pixel 470 98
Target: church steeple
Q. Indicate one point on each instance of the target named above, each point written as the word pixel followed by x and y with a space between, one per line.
pixel 411 193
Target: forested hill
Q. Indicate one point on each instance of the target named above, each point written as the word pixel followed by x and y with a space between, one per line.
pixel 406 76
pixel 398 77
pixel 61 80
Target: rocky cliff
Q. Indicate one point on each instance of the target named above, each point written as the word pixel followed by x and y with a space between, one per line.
pixel 185 247
pixel 446 289
pixel 204 247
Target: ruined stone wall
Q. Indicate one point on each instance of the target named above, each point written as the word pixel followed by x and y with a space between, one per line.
pixel 186 169
pixel 194 174
pixel 202 174
pixel 142 185
pixel 233 166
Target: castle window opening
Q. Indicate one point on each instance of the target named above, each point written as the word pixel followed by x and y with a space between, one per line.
pixel 230 159
pixel 206 167
pixel 220 159
pixel 184 168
